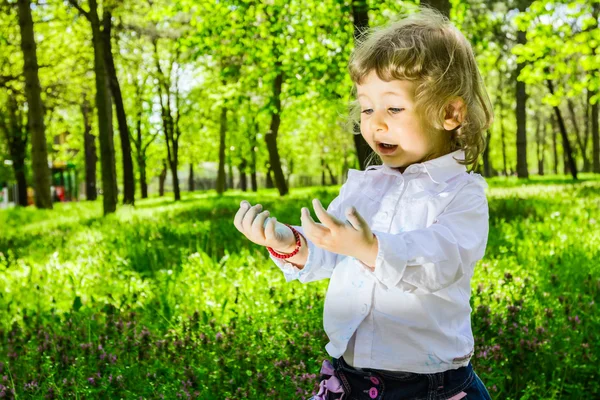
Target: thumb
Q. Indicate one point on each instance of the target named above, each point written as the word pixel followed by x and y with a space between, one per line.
pixel 355 219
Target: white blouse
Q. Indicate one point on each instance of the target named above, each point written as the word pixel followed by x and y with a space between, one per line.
pixel 412 312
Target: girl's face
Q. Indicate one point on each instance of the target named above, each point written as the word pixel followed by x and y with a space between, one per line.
pixel 388 116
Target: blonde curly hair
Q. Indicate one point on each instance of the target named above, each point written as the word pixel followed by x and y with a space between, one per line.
pixel 427 49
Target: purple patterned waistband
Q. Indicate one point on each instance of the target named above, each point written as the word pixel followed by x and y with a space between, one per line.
pixel 329 385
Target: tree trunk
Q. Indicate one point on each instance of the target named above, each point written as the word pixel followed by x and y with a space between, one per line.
pixel 442 6
pixel 332 177
pixel 563 132
pixel 360 18
pixel 91 158
pixel 502 134
pixel 580 143
pixel 554 149
pixel 39 152
pixel 243 178
pixel 271 136
pixel 222 136
pixel 230 170
pixel 161 179
pixel 143 177
pixel 595 139
pixel 587 128
pixel 487 170
pixel 323 183
pixel 594 112
pixel 170 127
pixel 253 180
pixel 104 108
pixel 141 154
pixel 191 187
pixel 115 89
pixel 16 135
pixel 290 172
pixel 521 112
pixel 174 164
pixel 540 138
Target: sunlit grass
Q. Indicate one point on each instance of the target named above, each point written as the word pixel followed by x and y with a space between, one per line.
pixel 167 299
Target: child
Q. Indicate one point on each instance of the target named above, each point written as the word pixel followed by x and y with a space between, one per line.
pixel 401 241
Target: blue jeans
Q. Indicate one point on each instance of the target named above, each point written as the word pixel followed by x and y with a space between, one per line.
pixel 372 384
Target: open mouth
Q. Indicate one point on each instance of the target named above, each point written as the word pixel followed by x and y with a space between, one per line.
pixel 386 148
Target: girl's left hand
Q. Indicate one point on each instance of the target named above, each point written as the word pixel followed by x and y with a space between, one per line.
pixel 352 238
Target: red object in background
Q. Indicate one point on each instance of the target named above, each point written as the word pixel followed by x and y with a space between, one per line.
pixel 60 193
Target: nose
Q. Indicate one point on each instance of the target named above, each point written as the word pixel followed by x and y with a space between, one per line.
pixel 378 122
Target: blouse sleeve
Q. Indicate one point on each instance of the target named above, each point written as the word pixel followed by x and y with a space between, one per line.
pixel 435 257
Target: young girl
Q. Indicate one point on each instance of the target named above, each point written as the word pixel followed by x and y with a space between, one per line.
pixel 401 241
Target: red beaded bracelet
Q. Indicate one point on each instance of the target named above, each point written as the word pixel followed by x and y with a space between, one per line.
pixel 293 253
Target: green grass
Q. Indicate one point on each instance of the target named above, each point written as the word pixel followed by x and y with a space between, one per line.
pixel 167 299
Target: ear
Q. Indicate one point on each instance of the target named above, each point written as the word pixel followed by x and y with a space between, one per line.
pixel 455 114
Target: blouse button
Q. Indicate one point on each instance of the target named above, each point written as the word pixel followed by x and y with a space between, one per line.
pixel 364 309
pixel 373 393
pixel 375 380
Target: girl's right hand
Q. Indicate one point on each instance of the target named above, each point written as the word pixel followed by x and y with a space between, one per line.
pixel 264 231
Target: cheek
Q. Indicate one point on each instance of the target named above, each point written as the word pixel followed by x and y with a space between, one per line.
pixel 364 131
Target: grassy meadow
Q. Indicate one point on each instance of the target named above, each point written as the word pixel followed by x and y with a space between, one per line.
pixel 167 300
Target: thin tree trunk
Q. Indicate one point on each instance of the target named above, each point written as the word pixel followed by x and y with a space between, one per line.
pixel 170 127
pixel 594 112
pixel 91 158
pixel 191 187
pixel 269 182
pixel 595 138
pixel 143 177
pixel 323 183
pixel 563 132
pixel 14 129
pixel 332 177
pixel 161 179
pixel 174 165
pixel 540 135
pixel 360 18
pixel 230 170
pixel 290 172
pixel 271 136
pixel 554 147
pixel 128 173
pixel 587 129
pixel 253 180
pixel 141 155
pixel 104 108
pixel 39 153
pixel 521 112
pixel 243 177
pixel 222 136
pixel 579 139
pixel 502 134
pixel 487 170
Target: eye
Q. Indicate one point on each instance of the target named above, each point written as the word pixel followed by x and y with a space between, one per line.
pixel 395 110
pixel 368 111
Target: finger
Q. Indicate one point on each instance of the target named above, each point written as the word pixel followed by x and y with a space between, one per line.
pixel 311 229
pixel 326 219
pixel 270 228
pixel 355 219
pixel 249 218
pixel 258 225
pixel 239 216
